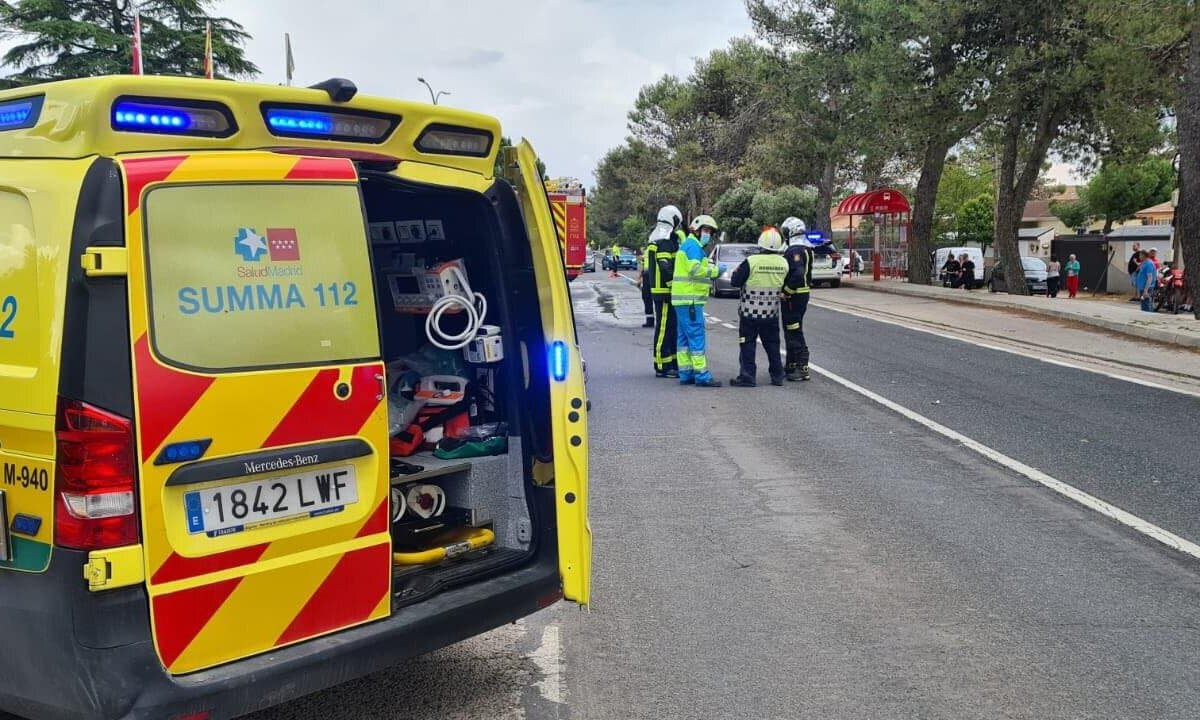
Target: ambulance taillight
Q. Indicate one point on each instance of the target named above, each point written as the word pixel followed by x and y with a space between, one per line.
pixel 95 500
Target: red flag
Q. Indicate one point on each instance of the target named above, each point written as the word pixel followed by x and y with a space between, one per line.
pixel 208 51
pixel 137 42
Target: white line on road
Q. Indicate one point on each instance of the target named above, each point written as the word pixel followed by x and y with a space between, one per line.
pixel 1012 351
pixel 1089 501
pixel 548 658
pixel 731 326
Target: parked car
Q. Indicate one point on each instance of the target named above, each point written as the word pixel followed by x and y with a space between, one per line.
pixel 589 261
pixel 1035 276
pixel 732 254
pixel 626 260
pixel 828 265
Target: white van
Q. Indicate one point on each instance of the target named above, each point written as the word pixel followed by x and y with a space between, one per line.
pixel 941 255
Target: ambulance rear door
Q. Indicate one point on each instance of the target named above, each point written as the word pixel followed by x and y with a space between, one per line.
pixel 261 431
pixel 568 412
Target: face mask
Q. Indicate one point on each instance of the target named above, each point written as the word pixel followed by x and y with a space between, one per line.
pixel 704 238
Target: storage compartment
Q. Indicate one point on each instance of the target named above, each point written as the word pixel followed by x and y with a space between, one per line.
pixel 459 488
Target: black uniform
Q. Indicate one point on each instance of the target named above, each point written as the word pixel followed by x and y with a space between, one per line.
pixel 660 261
pixel 795 304
pixel 758 316
pixel 950 271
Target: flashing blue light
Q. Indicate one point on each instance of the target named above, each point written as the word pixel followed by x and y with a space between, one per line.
pixel 307 122
pixel 26 524
pixel 558 360
pixel 151 118
pixel 17 114
pixel 815 236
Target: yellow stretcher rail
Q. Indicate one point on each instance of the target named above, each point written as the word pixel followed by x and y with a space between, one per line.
pixel 475 538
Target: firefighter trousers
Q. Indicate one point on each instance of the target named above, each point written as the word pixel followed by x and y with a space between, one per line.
pixel 664 335
pixel 792 311
pixel 750 330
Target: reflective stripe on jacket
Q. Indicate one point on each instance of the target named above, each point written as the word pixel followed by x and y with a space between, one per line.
pixel 761 278
pixel 660 261
pixel 799 277
pixel 693 274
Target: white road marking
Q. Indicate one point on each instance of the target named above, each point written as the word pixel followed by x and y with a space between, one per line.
pixel 731 326
pixel 548 658
pixel 712 320
pixel 1011 351
pixel 1087 500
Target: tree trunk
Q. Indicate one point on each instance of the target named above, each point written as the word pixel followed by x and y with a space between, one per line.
pixel 1189 168
pixel 924 204
pixel 1108 223
pixel 825 198
pixel 1007 217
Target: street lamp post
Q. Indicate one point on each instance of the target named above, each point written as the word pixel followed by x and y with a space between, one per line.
pixel 432 95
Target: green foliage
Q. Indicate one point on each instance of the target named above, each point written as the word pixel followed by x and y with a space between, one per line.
pixel 634 232
pixel 963 179
pixel 743 210
pixel 64 39
pixel 1076 214
pixel 975 221
pixel 1118 191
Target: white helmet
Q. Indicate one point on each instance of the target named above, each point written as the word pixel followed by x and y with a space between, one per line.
pixel 792 227
pixel 670 215
pixel 770 240
pixel 703 221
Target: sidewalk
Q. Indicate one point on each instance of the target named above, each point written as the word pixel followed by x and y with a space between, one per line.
pixel 1127 318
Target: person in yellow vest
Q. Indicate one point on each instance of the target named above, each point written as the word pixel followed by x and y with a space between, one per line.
pixel 693 276
pixel 615 261
pixel 761 279
pixel 664 241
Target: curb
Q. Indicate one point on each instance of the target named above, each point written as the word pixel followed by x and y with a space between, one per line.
pixel 1169 337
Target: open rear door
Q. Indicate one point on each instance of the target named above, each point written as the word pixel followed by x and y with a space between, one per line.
pixel 262 435
pixel 568 400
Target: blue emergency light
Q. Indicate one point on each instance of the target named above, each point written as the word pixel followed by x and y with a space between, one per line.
pixel 17 114
pixel 314 121
pixel 814 237
pixel 172 117
pixel 558 360
pixel 183 452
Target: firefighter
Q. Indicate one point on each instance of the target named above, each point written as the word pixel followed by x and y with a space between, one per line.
pixel 660 261
pixel 799 257
pixel 761 278
pixel 644 284
pixel 690 283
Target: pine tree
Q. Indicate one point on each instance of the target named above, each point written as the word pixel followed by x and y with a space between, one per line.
pixel 64 39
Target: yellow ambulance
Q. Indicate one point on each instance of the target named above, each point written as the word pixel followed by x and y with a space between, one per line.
pixel 289 391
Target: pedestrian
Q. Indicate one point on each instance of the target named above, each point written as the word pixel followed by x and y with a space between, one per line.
pixel 1053 272
pixel 692 277
pixel 1147 280
pixel 799 257
pixel 660 260
pixel 1154 259
pixel 614 261
pixel 644 284
pixel 855 263
pixel 1135 261
pixel 761 278
pixel 951 269
pixel 967 271
pixel 1072 272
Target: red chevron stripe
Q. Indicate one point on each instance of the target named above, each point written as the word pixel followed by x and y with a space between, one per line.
pixel 180 616
pixel 164 396
pixel 378 522
pixel 142 171
pixel 352 590
pixel 316 168
pixel 178 567
pixel 319 415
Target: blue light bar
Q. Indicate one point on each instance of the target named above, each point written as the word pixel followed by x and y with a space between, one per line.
pixel 558 360
pixel 17 114
pixel 314 121
pixel 814 236
pixel 172 117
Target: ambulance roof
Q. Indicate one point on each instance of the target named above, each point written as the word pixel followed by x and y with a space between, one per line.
pixel 78 118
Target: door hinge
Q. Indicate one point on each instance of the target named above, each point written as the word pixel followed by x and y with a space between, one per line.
pixel 105 261
pixel 114 568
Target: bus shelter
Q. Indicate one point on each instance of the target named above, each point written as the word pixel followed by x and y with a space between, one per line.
pixel 890 216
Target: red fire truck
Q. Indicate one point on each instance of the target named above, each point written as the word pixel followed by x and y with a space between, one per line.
pixel 568 202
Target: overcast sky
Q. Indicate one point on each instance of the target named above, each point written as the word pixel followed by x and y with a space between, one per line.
pixel 562 73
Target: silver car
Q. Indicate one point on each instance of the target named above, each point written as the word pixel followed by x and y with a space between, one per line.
pixel 732 255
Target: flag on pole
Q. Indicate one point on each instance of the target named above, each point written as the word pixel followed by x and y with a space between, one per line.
pixel 291 63
pixel 208 52
pixel 137 42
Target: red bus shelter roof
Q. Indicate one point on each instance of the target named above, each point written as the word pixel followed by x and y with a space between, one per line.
pixel 883 200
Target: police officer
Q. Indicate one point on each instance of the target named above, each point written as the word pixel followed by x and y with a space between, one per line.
pixel 799 257
pixel 761 278
pixel 660 262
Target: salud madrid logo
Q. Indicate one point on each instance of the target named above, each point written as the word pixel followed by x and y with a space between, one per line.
pixel 281 244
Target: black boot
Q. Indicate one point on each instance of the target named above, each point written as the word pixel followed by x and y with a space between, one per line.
pixel 777 381
pixel 804 374
pixel 740 381
pixel 792 375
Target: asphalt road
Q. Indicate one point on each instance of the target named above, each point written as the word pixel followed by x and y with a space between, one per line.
pixel 800 552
